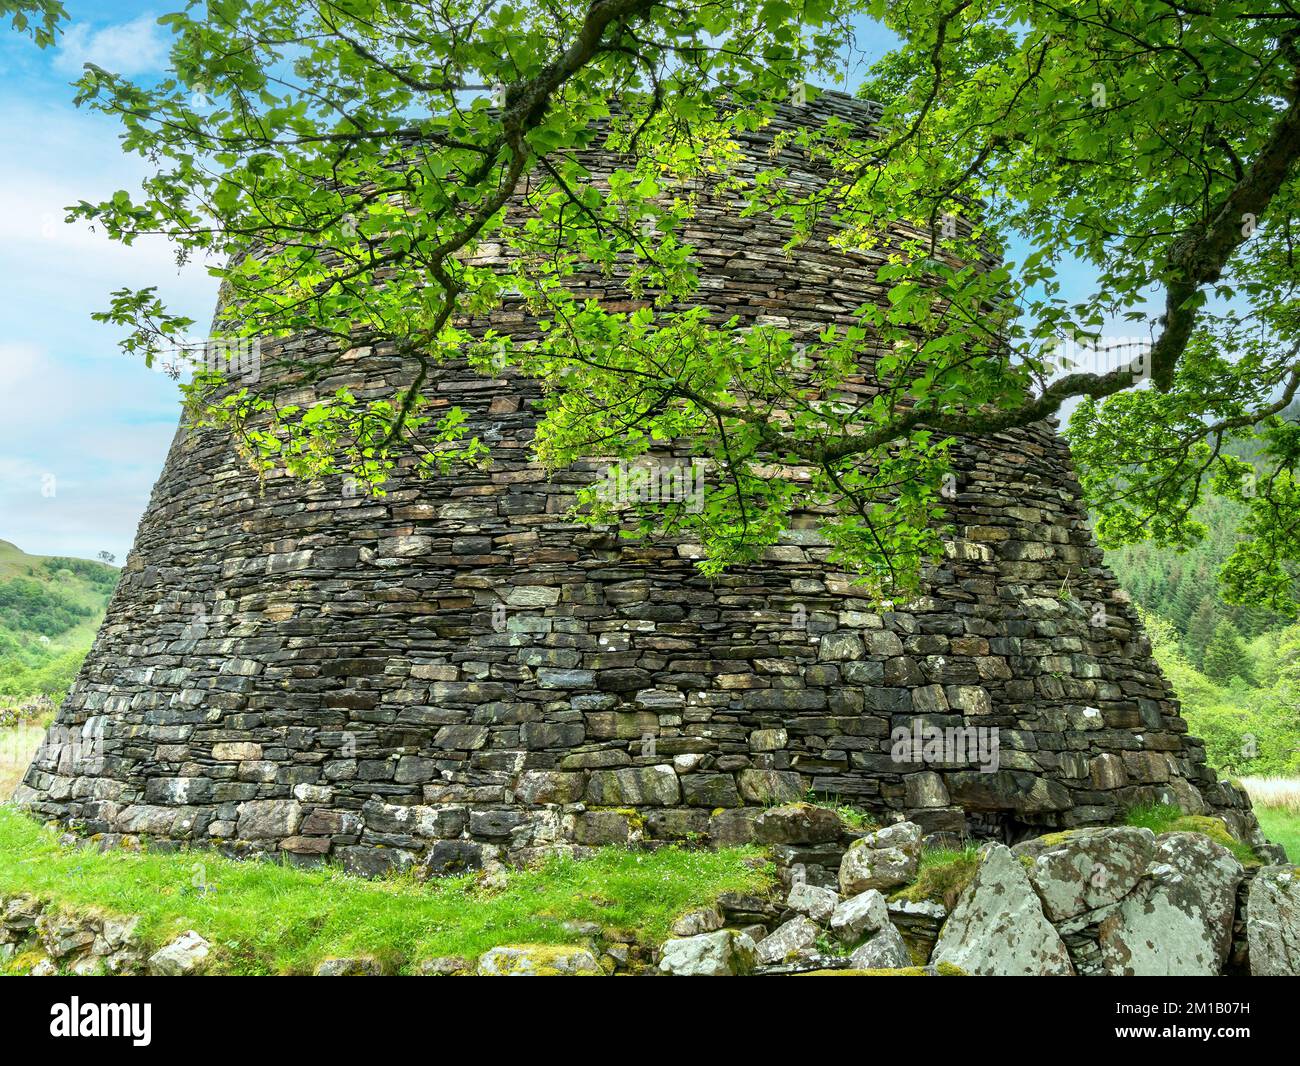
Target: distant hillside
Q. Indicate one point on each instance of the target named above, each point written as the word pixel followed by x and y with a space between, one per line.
pixel 50 608
pixel 1236 669
pixel 1183 588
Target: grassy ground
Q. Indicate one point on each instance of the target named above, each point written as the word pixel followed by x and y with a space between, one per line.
pixel 265 918
pixel 1277 806
pixel 1165 818
pixel 1281 827
pixel 942 874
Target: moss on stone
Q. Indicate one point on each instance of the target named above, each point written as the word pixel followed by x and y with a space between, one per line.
pixel 22 963
pixel 1217 830
pixel 1163 818
pixel 635 818
pixel 943 874
pixel 542 960
pixel 1051 840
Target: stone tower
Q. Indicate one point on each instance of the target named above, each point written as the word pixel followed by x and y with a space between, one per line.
pixel 453 673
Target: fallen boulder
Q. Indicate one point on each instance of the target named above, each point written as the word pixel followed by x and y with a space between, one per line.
pixel 788 941
pixel 1084 870
pixel 183 957
pixel 881 860
pixel 998 929
pixel 1273 922
pixel 538 960
pixel 1178 920
pixel 723 953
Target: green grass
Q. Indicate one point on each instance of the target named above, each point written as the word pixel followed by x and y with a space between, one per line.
pixel 853 817
pixel 1166 818
pixel 1282 827
pixel 262 917
pixel 942 874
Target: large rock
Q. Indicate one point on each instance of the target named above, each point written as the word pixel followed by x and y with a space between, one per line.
pixel 268 819
pixel 881 860
pixel 360 966
pixel 444 966
pixel 884 951
pixel 798 823
pixel 817 903
pixel 770 786
pixel 634 786
pixel 539 960
pixel 184 956
pixel 861 915
pixel 703 920
pixel 1086 869
pixel 1004 790
pixel 1178 921
pixel 723 953
pixel 796 937
pixel 998 928
pixel 550 786
pixel 1273 922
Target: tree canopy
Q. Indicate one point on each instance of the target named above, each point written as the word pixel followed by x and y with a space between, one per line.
pixel 361 150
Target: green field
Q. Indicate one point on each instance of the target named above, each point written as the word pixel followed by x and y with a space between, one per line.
pixel 262 917
pixel 1281 827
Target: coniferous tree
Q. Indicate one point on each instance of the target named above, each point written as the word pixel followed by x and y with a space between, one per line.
pixel 1200 629
pixel 1225 656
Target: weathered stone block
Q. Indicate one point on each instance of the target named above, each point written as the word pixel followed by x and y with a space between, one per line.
pixel 634 786
pixel 268 819
pixel 550 786
pixel 710 790
pixel 766 787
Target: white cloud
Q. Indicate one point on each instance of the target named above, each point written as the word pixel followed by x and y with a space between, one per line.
pixel 81 443
pixel 136 47
pixel 19 363
pixel 53 275
pixel 32 212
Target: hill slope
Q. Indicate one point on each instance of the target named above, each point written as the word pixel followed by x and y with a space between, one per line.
pixel 50 608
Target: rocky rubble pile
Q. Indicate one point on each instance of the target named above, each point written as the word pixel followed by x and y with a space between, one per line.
pixel 1118 901
pixel 53 941
pixel 820 927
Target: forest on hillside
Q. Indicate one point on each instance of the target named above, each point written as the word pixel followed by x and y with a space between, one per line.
pixel 50 608
pixel 1236 667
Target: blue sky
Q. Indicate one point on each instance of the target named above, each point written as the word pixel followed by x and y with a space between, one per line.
pixel 84 429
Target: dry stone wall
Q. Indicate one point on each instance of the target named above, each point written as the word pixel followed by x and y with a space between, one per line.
pixel 453 673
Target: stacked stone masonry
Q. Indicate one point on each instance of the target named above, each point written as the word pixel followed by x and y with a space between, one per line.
pixel 452 673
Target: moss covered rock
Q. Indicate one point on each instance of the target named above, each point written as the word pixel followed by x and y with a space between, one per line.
pixel 539 960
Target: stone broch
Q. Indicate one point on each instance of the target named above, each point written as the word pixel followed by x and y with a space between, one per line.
pixel 452 674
